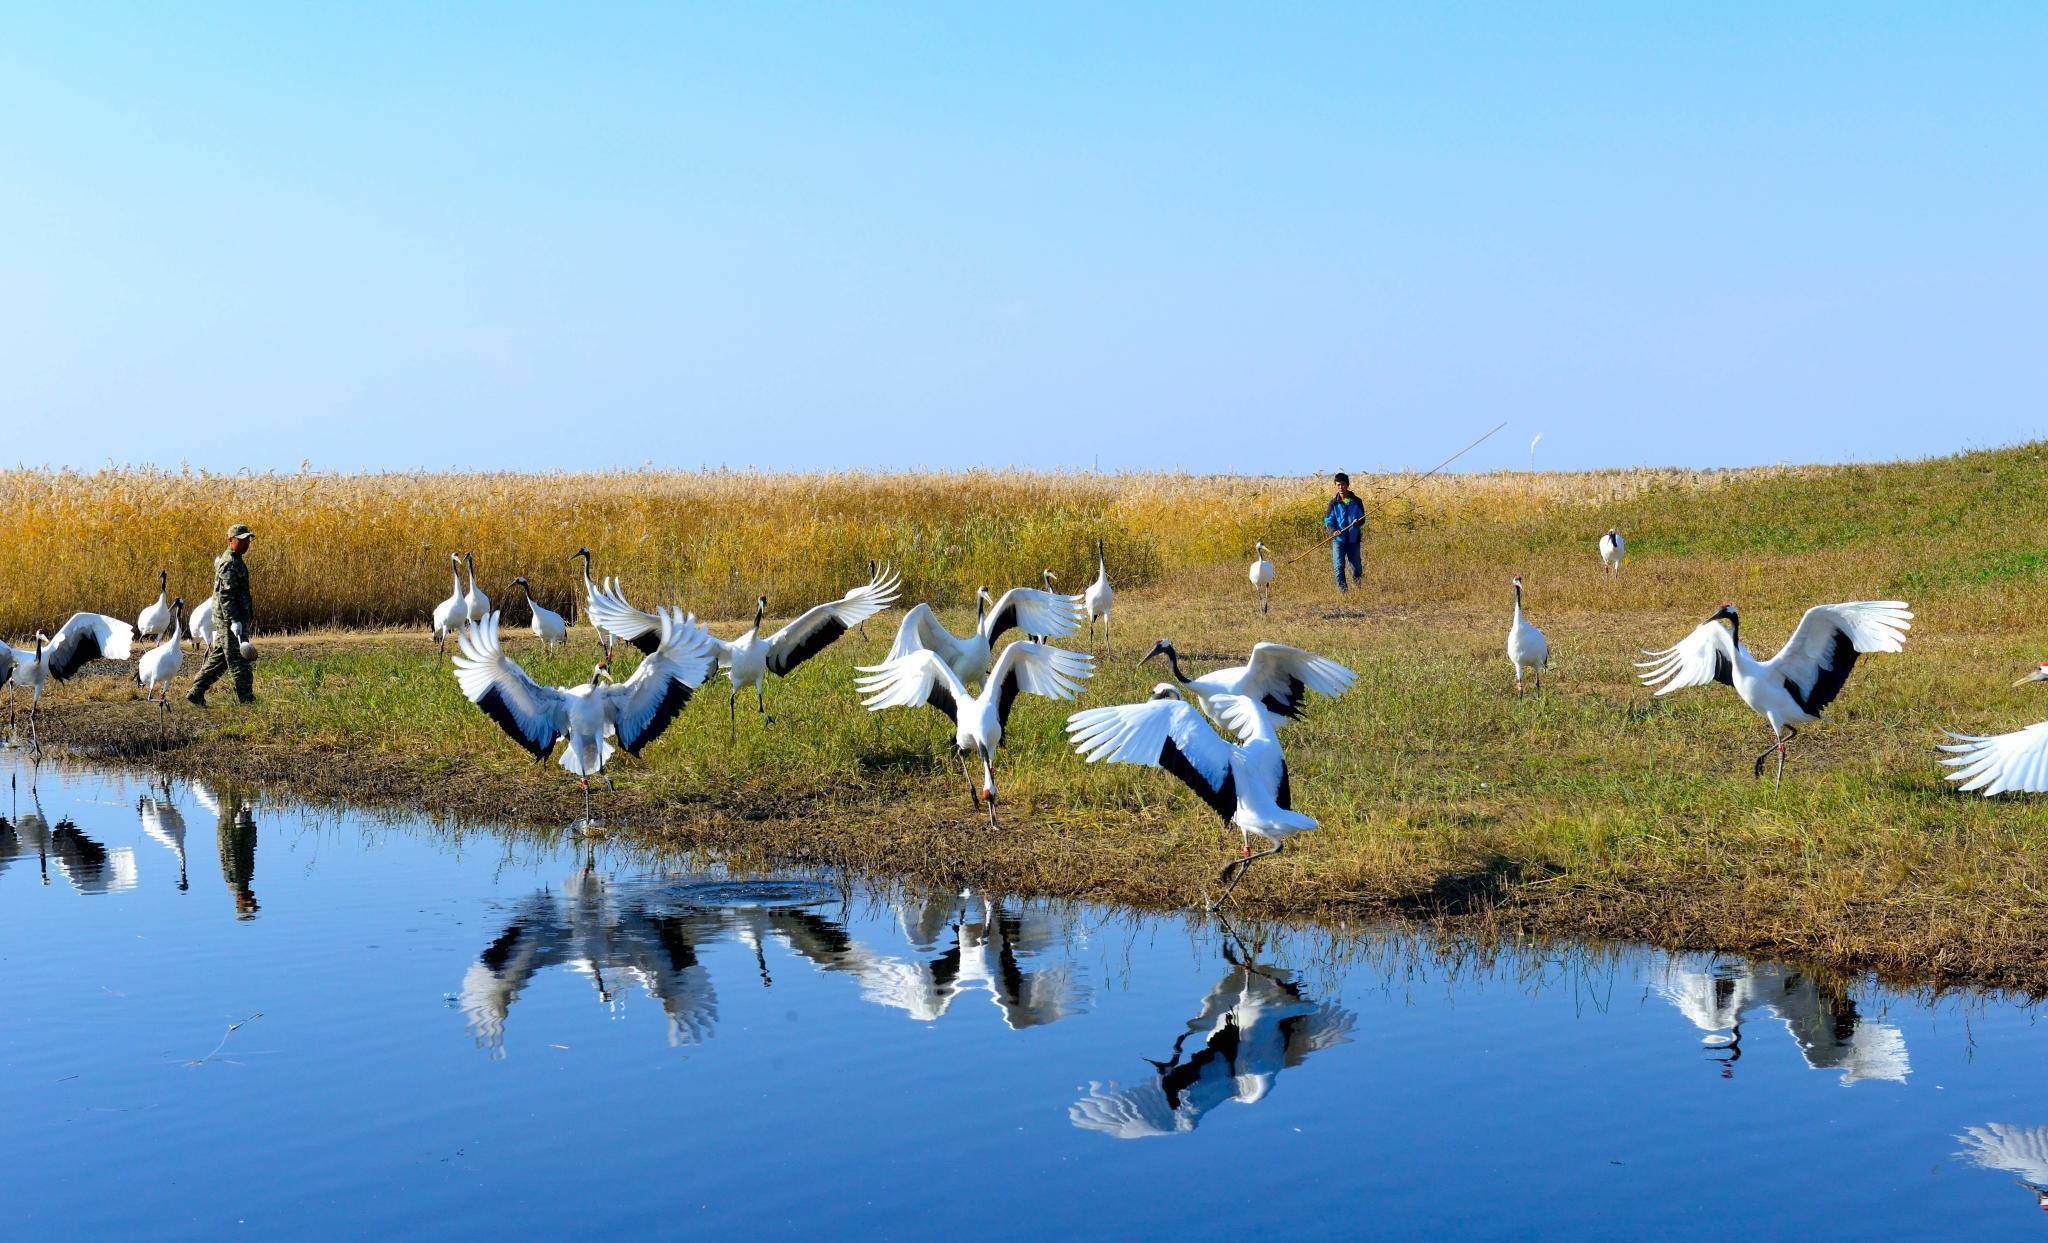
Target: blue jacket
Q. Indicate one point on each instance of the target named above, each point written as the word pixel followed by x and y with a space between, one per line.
pixel 1345 513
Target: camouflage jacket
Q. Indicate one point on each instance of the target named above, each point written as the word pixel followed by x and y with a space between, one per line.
pixel 231 589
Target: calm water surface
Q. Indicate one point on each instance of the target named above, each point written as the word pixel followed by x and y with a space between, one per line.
pixel 224 1015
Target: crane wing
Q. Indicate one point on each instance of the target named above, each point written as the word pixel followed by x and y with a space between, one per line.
pixel 1278 677
pixel 1706 655
pixel 1034 610
pixel 534 715
pixel 921 631
pixel 2000 763
pixel 1816 660
pixel 84 638
pixel 1053 672
pixel 919 677
pixel 643 706
pixel 815 630
pixel 1160 733
pixel 610 612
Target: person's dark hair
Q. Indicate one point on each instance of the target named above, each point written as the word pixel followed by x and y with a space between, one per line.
pixel 1341 477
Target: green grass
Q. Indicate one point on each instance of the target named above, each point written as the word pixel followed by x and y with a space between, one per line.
pixel 1590 808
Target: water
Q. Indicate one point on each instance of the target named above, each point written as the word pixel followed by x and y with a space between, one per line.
pixel 220 1012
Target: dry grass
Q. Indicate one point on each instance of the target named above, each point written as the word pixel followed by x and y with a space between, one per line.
pixel 371 550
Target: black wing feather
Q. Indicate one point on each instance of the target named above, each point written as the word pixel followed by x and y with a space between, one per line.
pixel 675 696
pixel 782 659
pixel 1287 703
pixel 1833 671
pixel 1222 800
pixel 941 697
pixel 494 706
pixel 1285 797
pixel 648 643
pixel 1003 619
pixel 1724 669
pixel 66 659
pixel 1006 697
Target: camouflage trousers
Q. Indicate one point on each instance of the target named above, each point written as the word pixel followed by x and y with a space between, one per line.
pixel 226 655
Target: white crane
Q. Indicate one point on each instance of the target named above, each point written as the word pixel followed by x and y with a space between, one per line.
pixel 1612 551
pixel 199 623
pixel 448 615
pixel 590 594
pixel 548 625
pixel 1528 650
pixel 1277 677
pixel 152 622
pixel 475 604
pixel 595 716
pixel 84 638
pixel 1993 764
pixel 1045 581
pixel 1030 609
pixel 161 663
pixel 1244 782
pixel 749 659
pixel 1794 686
pixel 922 676
pixel 1099 596
pixel 1262 578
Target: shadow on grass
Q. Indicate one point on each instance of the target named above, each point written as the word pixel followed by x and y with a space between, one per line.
pixel 1473 891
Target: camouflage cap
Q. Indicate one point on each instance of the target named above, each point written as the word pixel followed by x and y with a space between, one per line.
pixel 241 531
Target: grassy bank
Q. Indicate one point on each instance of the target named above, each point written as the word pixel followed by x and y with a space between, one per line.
pixel 1590 809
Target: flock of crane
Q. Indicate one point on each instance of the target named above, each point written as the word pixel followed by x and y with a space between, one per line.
pixel 1217 733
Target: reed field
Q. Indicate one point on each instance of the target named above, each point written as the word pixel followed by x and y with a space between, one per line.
pixel 1589 809
pixel 372 550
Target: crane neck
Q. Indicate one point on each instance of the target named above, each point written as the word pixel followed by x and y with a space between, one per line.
pixel 1173 663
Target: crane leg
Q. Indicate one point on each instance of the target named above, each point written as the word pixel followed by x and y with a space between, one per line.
pixel 1234 871
pixel 732 713
pixel 761 700
pixel 586 799
pixel 973 795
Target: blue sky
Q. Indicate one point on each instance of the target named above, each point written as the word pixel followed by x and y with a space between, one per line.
pixel 1207 237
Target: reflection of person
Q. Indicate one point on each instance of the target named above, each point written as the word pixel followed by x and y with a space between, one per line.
pixel 237 829
pixel 233 614
pixel 1345 519
pixel 1254 1024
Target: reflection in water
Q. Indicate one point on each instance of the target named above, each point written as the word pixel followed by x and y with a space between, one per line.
pixel 990 946
pixel 615 941
pixel 651 934
pixel 1820 1015
pixel 235 825
pixel 90 866
pixel 163 822
pixel 2019 1151
pixel 1254 1024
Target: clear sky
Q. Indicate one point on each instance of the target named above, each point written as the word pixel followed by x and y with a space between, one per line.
pixel 1250 237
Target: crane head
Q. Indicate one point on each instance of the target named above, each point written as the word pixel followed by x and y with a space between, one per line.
pixel 1725 613
pixel 1162 648
pixel 2040 674
pixel 1165 690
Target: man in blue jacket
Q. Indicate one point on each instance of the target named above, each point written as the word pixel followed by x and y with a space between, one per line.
pixel 1345 517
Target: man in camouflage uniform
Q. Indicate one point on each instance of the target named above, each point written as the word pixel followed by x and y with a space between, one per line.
pixel 232 610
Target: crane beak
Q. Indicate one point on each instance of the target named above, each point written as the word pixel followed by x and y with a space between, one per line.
pixel 2038 675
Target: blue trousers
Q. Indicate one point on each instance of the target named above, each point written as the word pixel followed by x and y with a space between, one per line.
pixel 1345 549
